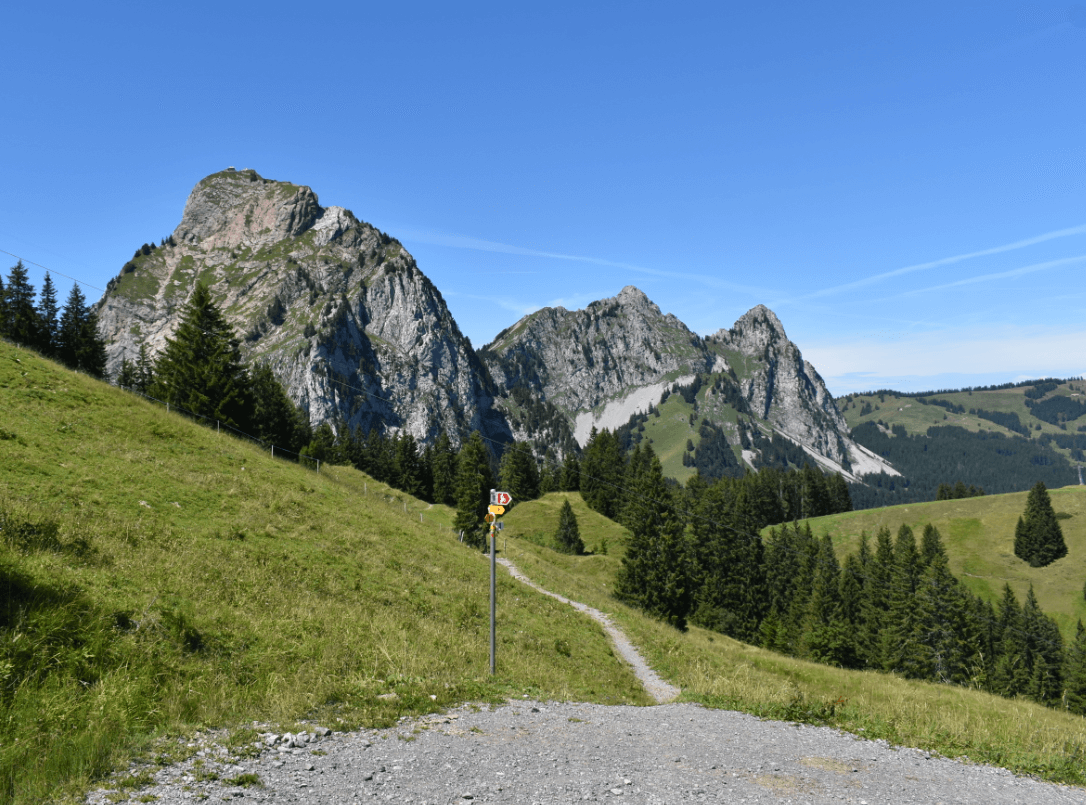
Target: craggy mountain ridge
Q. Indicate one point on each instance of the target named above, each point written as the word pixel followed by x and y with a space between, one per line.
pixel 339 310
pixel 359 335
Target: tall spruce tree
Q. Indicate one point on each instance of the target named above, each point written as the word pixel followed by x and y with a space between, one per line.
pixel 602 473
pixel 519 473
pixel 568 535
pixel 474 480
pixel 655 574
pixel 201 371
pixel 23 326
pixel 79 344
pixel 1074 673
pixel 731 592
pixel 49 326
pixel 444 471
pixel 1038 538
pixel 274 419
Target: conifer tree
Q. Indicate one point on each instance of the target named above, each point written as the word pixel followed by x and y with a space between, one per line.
pixel 49 326
pixel 79 345
pixel 1074 673
pixel 201 371
pixel 875 600
pixel 1011 668
pixel 731 592
pixel 900 650
pixel 1038 538
pixel 654 574
pixel 474 481
pixel 602 473
pixel 519 473
pixel 943 628
pixel 23 326
pixel 274 419
pixel 568 535
pixel 3 309
pixel 824 636
pixel 444 471
pixel 1044 652
pixel 931 545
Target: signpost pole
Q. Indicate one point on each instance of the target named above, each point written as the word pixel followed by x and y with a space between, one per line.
pixel 498 502
pixel 493 595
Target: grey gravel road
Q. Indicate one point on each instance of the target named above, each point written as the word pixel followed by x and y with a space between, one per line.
pixel 532 752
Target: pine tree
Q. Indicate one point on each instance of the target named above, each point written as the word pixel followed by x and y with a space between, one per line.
pixel 1038 538
pixel 444 471
pixel 201 371
pixel 602 473
pixel 23 325
pixel 79 344
pixel 731 595
pixel 49 326
pixel 875 600
pixel 519 473
pixel 1011 668
pixel 474 480
pixel 274 419
pixel 568 535
pixel 654 574
pixel 1074 673
pixel 900 649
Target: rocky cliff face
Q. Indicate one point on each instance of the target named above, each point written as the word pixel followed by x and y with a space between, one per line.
pixel 340 311
pixel 601 365
pixel 782 388
pixel 583 359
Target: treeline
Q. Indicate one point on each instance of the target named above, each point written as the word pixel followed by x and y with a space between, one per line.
pixel 993 461
pixel 896 607
pixel 69 335
pixel 1056 410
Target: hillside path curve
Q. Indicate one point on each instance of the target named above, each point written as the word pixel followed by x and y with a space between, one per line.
pixel 656 687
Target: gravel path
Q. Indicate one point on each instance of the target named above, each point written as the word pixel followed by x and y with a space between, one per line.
pixel 532 752
pixel 536 752
pixel 660 690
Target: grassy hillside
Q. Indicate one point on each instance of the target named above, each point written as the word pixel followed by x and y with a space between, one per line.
pixel 158 577
pixel 720 672
pixel 917 417
pixel 192 581
pixel 979 538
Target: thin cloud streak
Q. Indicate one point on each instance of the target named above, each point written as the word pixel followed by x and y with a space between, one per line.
pixel 1018 244
pixel 477 244
pixel 1014 272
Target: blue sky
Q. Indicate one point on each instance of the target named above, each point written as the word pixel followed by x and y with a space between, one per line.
pixel 903 184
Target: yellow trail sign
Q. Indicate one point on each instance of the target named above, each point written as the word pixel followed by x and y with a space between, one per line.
pixel 496 509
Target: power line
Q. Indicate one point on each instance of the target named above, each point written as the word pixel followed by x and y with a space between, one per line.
pixel 51 270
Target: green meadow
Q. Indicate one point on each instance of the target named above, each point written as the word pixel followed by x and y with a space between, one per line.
pixel 159 578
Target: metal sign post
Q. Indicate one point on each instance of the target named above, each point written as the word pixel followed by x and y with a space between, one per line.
pixel 497 501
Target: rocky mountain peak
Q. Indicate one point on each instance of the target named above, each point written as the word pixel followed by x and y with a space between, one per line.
pixel 341 313
pixel 755 330
pixel 232 209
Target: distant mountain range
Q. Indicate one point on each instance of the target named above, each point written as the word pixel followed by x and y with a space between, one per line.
pixel 360 337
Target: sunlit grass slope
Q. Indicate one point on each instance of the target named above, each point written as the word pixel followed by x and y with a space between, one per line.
pixel 192 580
pixel 720 672
pixel 979 538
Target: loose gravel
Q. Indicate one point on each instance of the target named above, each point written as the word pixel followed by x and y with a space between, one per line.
pixel 534 752
pixel 537 752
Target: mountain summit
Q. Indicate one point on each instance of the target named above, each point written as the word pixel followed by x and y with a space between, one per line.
pixel 360 337
pixel 339 310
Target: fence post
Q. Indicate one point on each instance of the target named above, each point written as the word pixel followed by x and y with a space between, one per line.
pixel 273 451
